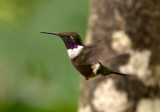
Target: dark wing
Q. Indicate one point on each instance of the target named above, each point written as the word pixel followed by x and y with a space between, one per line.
pixel 107 57
pixel 98 54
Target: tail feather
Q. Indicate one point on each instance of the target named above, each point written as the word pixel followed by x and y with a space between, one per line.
pixel 106 71
pixel 117 73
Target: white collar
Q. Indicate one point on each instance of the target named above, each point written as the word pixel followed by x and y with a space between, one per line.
pixel 75 52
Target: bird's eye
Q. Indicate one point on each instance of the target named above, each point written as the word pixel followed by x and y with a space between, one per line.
pixel 67 36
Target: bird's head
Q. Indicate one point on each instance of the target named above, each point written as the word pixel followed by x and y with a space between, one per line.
pixel 71 39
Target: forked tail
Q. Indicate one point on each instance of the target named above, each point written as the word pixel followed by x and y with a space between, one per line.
pixel 118 73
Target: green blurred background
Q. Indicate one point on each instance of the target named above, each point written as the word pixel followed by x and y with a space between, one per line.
pixel 35 72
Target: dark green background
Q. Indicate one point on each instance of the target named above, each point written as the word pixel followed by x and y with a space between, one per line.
pixel 35 72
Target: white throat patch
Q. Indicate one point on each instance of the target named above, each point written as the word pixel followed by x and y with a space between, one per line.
pixel 74 52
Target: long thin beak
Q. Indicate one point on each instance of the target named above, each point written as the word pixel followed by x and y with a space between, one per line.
pixel 51 33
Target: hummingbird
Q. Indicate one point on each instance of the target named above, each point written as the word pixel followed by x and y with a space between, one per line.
pixel 82 57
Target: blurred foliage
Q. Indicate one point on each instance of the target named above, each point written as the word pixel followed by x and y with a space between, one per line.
pixel 35 72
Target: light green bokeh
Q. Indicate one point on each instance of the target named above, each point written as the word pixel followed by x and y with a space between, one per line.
pixel 35 72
